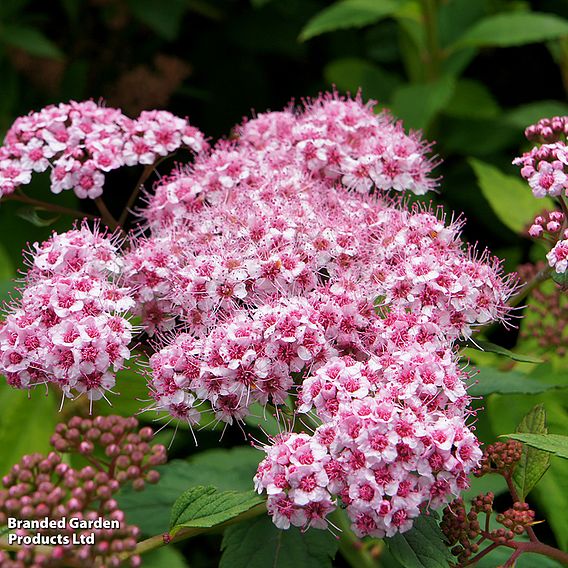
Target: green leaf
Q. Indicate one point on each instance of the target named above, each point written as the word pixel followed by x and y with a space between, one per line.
pixel 260 417
pixel 206 507
pixel 258 543
pixel 165 556
pixel 151 508
pixel 500 555
pixel 516 28
pixel 524 115
pixel 31 40
pixel 472 99
pixel 132 389
pixel 351 73
pixel 551 493
pixel 164 20
pixel 419 104
pixel 553 443
pixel 348 14
pixel 489 347
pixel 560 278
pixel 31 214
pixel 533 463
pixel 490 380
pixel 502 190
pixel 468 136
pixel 422 546
pixel 455 17
pixel 27 422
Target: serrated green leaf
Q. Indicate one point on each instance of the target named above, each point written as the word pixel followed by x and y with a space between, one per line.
pixel 490 380
pixel 206 507
pixel 553 443
pixel 348 14
pixel 533 463
pixel 501 190
pixel 27 423
pixel 422 546
pixel 551 493
pixel 509 29
pixel 432 97
pixel 31 40
pixel 351 73
pixel 151 508
pixel 258 543
pixel 472 99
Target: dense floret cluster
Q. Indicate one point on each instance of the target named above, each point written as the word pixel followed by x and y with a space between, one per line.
pixel 80 142
pixel 277 270
pixel 545 167
pixel 69 328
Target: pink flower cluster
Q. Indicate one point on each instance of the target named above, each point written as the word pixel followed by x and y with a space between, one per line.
pixel 268 272
pixel 250 358
pixel 80 142
pixel 545 166
pixel 332 139
pixel 276 269
pixel 69 326
pixel 391 438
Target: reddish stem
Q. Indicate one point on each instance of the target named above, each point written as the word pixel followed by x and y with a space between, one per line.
pixel 515 496
pixel 22 198
pixel 106 215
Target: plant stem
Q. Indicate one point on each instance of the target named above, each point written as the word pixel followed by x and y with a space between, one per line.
pixel 106 215
pixel 22 198
pixel 483 553
pixel 183 534
pixel 349 545
pixel 516 499
pixel 433 55
pixel 529 287
pixel 146 173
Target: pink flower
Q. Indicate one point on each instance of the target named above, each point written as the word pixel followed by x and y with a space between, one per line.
pixel 558 257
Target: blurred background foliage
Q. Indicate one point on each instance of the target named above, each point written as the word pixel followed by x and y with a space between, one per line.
pixel 470 73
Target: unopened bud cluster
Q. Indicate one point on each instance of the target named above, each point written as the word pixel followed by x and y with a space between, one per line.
pixel 46 486
pixel 463 530
pixel 500 457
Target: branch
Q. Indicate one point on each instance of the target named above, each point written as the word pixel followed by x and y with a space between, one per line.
pixel 542 276
pixel 106 215
pixel 146 173
pixel 22 198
